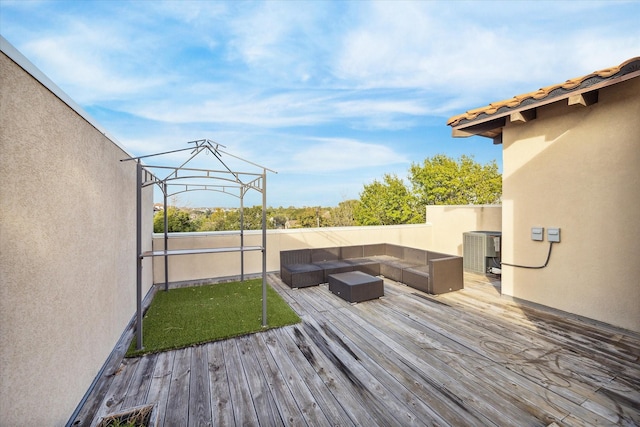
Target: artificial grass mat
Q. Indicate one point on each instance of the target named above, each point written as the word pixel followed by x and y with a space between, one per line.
pixel 188 316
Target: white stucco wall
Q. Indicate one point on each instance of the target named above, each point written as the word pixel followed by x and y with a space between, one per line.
pixel 577 168
pixel 450 222
pixel 67 249
pixel 195 267
pixel 443 233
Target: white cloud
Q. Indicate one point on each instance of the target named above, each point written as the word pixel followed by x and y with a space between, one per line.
pixel 275 65
pixel 196 14
pixel 280 43
pixel 453 48
pixel 236 105
pixel 386 43
pixel 340 154
pixel 391 105
pixel 257 37
pixel 94 63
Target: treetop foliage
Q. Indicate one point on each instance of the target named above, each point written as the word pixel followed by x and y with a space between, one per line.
pixel 386 203
pixel 439 180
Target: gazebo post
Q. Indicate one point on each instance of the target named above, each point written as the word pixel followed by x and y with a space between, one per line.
pixel 166 237
pixel 242 234
pixel 139 255
pixel 264 248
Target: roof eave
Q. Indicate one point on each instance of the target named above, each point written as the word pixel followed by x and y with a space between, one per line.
pixel 491 125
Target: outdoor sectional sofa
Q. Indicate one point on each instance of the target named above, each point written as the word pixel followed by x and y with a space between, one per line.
pixel 428 271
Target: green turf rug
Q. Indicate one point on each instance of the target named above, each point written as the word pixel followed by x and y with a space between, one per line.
pixel 188 316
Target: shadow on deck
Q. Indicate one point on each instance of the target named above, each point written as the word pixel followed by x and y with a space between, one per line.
pixel 409 358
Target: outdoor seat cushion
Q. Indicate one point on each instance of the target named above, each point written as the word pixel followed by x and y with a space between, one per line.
pixel 392 267
pixel 365 265
pixel 333 267
pixel 417 278
pixel 302 275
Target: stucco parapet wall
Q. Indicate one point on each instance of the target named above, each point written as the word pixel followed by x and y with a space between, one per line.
pixel 445 208
pixel 194 267
pixel 17 57
pixel 371 228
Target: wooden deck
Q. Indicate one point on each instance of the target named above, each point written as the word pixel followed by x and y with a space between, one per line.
pixel 464 358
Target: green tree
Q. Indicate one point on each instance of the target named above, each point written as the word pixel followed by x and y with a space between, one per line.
pixel 386 203
pixel 217 220
pixel 178 220
pixel 252 218
pixel 311 218
pixel 343 214
pixel 441 180
pixel 277 220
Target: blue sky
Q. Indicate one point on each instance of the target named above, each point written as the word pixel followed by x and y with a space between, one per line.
pixel 331 95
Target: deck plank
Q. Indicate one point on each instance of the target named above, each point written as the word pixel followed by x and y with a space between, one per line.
pixel 141 381
pixel 199 391
pixel 283 397
pixel 244 410
pixel 158 393
pixel 408 358
pixel 556 367
pixel 457 387
pixel 444 380
pixel 596 343
pixel 177 412
pixel 369 388
pixel 96 397
pixel 221 408
pixel 497 356
pixel 296 360
pixel 331 376
pixel 421 395
pixel 261 396
pixel 118 389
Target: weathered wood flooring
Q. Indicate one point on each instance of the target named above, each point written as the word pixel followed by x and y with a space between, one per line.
pixel 464 358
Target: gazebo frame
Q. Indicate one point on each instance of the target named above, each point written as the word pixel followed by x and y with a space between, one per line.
pixel 180 179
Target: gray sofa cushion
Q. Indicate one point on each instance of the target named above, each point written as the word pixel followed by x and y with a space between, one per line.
pixel 301 275
pixel 333 267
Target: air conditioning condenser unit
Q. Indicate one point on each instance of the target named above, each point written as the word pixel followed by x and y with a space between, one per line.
pixel 481 251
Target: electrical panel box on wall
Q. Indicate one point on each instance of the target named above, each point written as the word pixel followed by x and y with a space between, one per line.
pixel 553 235
pixel 537 234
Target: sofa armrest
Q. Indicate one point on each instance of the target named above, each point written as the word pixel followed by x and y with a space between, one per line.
pixel 446 275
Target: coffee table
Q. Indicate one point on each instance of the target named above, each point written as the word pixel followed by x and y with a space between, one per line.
pixel 356 286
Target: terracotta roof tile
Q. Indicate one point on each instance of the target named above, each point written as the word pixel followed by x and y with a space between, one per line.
pixel 630 65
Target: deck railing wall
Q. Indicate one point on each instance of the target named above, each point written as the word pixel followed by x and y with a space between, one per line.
pixel 443 233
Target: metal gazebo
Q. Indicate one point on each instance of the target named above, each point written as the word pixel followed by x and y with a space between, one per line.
pixel 181 179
